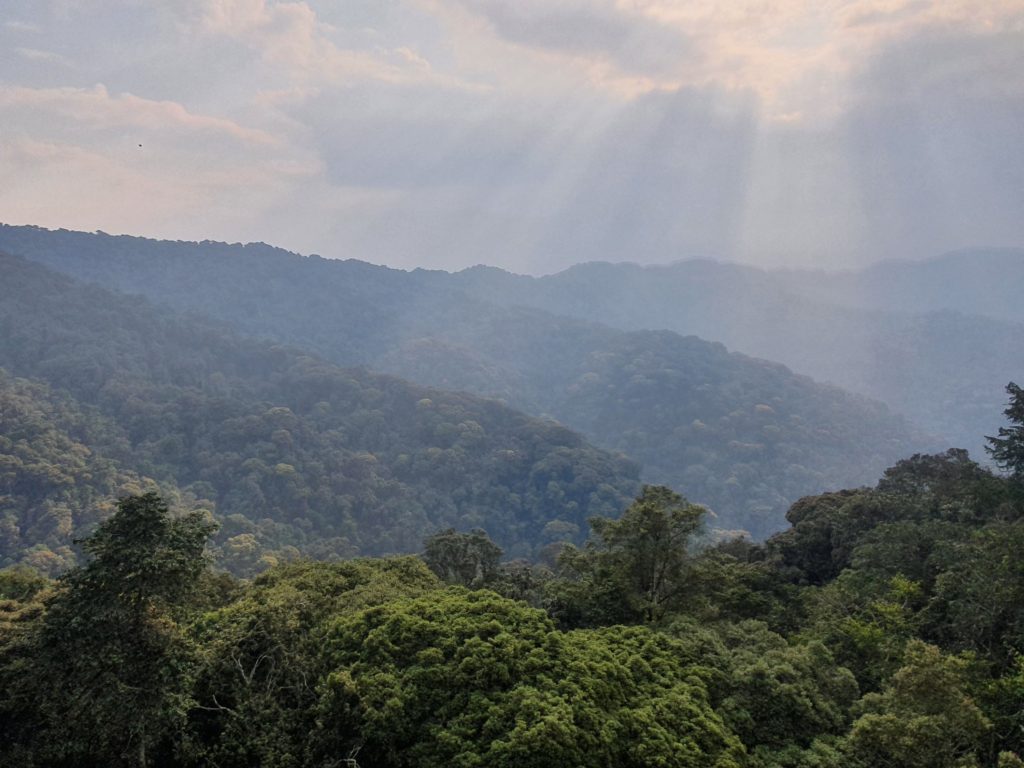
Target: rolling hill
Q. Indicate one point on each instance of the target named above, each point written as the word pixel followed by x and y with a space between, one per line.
pixel 292 454
pixel 741 435
pixel 917 336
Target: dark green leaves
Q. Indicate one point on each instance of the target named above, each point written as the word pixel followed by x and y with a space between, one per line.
pixel 1007 450
pixel 634 568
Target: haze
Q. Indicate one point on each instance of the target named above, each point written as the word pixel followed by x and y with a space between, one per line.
pixel 529 135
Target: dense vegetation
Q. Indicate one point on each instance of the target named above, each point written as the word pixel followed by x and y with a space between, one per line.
pixel 742 436
pixel 53 484
pixel 883 628
pixel 290 454
pixel 948 326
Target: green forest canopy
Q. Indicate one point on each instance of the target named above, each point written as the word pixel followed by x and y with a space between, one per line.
pixel 883 627
pixel 744 437
pixel 292 455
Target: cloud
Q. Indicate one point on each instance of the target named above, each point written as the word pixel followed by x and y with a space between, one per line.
pixel 601 30
pixel 923 157
pixel 22 26
pixel 292 36
pixel 799 56
pixel 654 178
pixel 934 138
pixel 532 133
pixel 59 184
pixel 34 54
pixel 419 137
pixel 92 158
pixel 97 108
pixel 939 63
pixel 881 12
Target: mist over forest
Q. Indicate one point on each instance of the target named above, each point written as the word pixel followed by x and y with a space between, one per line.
pixel 500 461
pixel 511 384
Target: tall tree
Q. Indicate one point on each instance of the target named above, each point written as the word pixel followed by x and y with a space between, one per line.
pixel 109 661
pixel 1007 450
pixel 468 559
pixel 639 563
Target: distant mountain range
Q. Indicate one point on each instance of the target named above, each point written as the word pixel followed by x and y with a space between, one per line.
pixel 744 436
pixel 936 340
pixel 977 282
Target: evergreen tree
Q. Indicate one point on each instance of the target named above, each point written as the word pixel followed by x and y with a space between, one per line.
pixel 108 670
pixel 1007 450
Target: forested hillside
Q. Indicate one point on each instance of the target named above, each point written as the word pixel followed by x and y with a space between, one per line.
pixel 892 332
pixel 643 388
pixel 980 281
pixel 743 436
pixel 883 628
pixel 291 454
pixel 56 476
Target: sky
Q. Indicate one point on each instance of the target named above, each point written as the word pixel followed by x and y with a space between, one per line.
pixel 526 134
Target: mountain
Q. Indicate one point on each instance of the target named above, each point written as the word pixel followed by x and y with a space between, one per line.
pixel 976 281
pixel 292 454
pixel 944 369
pixel 744 436
pixel 54 482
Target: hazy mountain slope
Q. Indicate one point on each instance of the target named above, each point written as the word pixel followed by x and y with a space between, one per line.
pixel 743 436
pixel 293 452
pixel 944 370
pixel 973 282
pixel 977 281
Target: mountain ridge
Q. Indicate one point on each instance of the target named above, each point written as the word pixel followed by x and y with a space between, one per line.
pixel 687 409
pixel 293 454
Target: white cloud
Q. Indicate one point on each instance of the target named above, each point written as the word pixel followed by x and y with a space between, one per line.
pixel 97 108
pixel 292 36
pixel 34 54
pixel 448 132
pixel 22 26
pixel 799 55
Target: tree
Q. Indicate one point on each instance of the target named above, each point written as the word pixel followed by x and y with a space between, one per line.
pixel 470 679
pixel 778 695
pixel 638 563
pixel 1007 450
pixel 264 658
pixel 923 719
pixel 467 559
pixel 108 670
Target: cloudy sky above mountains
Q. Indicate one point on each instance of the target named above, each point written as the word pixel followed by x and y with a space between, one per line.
pixel 530 134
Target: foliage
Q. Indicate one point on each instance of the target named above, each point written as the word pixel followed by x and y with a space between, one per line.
pixel 947 488
pixel 445 680
pixel 885 629
pixel 778 695
pixel 105 677
pixel 54 486
pixel 948 327
pixel 923 719
pixel 635 568
pixel 744 437
pixel 468 559
pixel 292 455
pixel 1007 450
pixel 263 659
